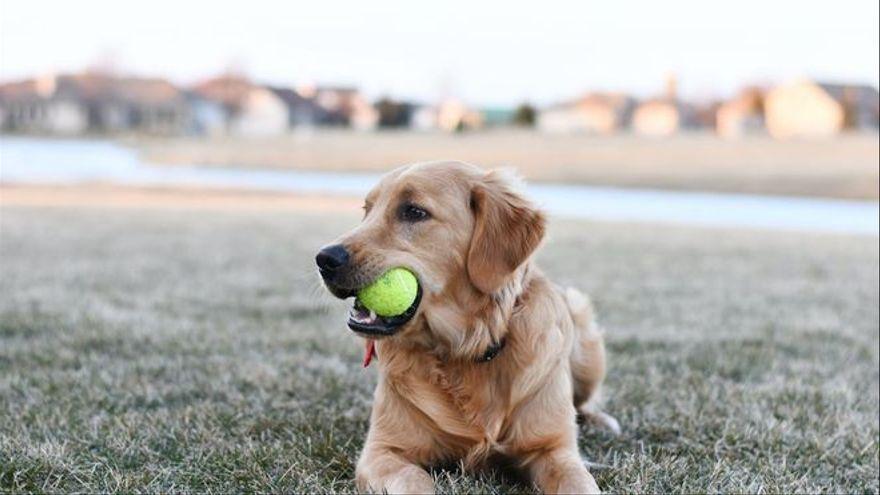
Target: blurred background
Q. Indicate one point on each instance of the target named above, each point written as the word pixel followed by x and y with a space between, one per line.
pixel 169 169
pixel 775 98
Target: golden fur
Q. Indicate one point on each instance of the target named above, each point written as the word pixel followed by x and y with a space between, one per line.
pixel 435 401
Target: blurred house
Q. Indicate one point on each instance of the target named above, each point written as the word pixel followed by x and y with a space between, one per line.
pixel 207 117
pixel 705 113
pixel 251 111
pixel 151 106
pixel 77 103
pixel 663 117
pixel 255 110
pixel 33 106
pixel 454 115
pixel 742 115
pixel 96 93
pixel 595 113
pixel 423 118
pixel 363 116
pixel 228 90
pixel 450 115
pixel 302 112
pixel 666 115
pixel 807 108
pixel 261 113
pixel 345 106
pixel 124 104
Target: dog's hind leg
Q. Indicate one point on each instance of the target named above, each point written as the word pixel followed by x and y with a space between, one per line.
pixel 588 362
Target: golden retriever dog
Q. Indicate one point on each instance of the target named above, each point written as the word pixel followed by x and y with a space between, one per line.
pixel 492 360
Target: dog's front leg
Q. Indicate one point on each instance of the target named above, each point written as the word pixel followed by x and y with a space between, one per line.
pixel 382 471
pixel 562 471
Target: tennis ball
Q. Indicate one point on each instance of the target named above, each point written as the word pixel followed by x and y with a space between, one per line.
pixel 391 294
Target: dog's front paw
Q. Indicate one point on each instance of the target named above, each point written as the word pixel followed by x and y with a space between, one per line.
pixel 392 478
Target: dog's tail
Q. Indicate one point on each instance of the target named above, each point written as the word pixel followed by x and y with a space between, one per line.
pixel 588 361
pixel 581 309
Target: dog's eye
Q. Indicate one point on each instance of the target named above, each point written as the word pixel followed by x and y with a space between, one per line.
pixel 411 213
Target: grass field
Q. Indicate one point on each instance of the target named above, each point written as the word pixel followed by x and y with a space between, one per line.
pixel 843 167
pixel 192 350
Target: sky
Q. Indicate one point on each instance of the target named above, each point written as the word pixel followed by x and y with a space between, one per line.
pixel 484 52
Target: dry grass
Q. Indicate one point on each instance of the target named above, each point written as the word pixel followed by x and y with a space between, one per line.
pixel 192 350
pixel 844 167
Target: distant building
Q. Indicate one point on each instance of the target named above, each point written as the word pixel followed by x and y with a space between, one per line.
pixel 207 117
pixel 229 90
pixel 262 113
pixel 151 106
pixel 663 117
pixel 272 110
pixel 363 116
pixel 742 115
pixel 705 113
pixel 454 115
pixel 807 108
pixel 252 111
pixel 302 112
pixel 450 115
pixel 344 106
pixel 96 93
pixel 423 118
pixel 595 113
pixel 666 115
pixel 77 103
pixel 34 106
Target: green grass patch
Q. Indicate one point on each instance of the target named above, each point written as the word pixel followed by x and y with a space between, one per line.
pixel 195 351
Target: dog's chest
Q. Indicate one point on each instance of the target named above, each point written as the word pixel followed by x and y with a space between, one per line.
pixel 466 409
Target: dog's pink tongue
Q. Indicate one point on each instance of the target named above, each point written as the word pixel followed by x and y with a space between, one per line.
pixel 369 351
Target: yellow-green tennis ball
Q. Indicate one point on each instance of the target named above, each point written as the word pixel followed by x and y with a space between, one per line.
pixel 391 294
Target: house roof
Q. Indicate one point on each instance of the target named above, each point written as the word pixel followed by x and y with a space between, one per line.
pixel 17 90
pixel 300 108
pixel 87 86
pixel 686 111
pixel 858 94
pixel 343 90
pixel 618 101
pixel 660 101
pixel 149 91
pixel 749 100
pixel 230 90
pixel 290 97
pixel 92 87
pixel 839 90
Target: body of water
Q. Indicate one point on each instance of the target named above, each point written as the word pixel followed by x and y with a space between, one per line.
pixel 48 161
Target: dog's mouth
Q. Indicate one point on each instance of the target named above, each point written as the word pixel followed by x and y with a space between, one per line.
pixel 368 323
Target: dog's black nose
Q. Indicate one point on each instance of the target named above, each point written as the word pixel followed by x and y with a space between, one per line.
pixel 331 258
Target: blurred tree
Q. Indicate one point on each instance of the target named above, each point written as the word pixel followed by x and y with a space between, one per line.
pixel 393 113
pixel 524 115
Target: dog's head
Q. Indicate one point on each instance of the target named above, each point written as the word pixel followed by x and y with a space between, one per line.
pixel 462 231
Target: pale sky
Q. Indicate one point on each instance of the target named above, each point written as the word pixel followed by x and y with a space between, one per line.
pixel 485 52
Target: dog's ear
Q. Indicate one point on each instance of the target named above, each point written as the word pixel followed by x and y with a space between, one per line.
pixel 507 229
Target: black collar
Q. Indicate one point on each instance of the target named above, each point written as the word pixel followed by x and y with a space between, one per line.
pixel 492 351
